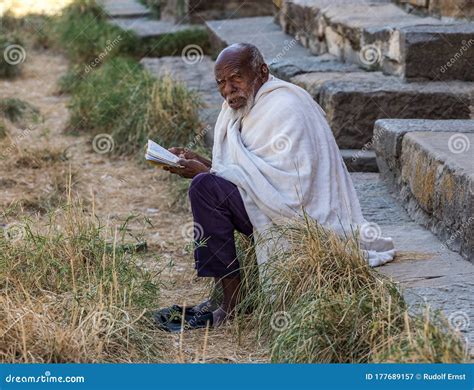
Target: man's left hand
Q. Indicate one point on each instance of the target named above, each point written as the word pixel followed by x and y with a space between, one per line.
pixel 190 168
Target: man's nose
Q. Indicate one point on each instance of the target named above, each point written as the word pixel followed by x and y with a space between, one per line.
pixel 229 89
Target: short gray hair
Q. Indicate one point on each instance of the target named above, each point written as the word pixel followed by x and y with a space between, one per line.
pixel 255 56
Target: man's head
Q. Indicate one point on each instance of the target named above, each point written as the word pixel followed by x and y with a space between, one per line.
pixel 240 71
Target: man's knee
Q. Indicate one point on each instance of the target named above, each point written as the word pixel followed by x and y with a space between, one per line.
pixel 201 183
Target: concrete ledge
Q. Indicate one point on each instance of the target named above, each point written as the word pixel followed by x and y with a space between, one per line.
pixel 430 165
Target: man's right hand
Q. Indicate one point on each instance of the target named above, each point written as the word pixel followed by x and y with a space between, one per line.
pixel 184 153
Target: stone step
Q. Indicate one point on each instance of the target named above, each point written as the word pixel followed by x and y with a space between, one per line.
pixel 454 9
pixel 424 268
pixel 283 53
pixel 434 52
pixel 261 31
pixel 124 8
pixel 151 28
pixel 354 101
pixel 430 164
pixel 360 160
pixel 198 11
pixel 378 35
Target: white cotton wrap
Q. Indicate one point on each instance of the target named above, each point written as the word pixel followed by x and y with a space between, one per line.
pixel 283 158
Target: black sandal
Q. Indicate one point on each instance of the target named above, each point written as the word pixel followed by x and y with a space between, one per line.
pixel 170 319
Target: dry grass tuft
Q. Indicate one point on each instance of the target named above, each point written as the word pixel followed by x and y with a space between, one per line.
pixel 66 297
pixel 31 191
pixel 320 302
pixel 18 111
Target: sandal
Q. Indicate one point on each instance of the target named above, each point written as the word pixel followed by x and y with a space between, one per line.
pixel 172 317
pixel 199 321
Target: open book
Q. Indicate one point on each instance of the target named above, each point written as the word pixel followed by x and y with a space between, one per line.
pixel 158 155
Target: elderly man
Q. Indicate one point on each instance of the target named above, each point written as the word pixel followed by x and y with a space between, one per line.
pixel 273 156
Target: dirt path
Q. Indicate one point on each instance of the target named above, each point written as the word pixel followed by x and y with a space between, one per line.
pixel 117 189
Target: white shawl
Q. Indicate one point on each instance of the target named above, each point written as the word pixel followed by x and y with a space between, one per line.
pixel 283 158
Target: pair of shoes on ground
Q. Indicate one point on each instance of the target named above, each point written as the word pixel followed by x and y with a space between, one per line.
pixel 171 318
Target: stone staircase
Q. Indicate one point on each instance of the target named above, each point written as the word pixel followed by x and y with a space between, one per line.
pixel 378 35
pixel 430 164
pixel 131 15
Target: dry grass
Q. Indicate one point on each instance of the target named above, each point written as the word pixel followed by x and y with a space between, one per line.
pixel 320 302
pixel 19 111
pixel 123 100
pixel 66 297
pixel 39 175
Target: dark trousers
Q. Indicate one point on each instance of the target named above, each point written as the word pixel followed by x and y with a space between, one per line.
pixel 218 211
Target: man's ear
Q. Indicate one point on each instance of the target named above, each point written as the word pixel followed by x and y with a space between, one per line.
pixel 265 70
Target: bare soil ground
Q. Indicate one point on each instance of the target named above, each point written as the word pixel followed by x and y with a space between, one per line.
pixel 34 175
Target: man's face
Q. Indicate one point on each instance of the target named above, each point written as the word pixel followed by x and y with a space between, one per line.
pixel 236 82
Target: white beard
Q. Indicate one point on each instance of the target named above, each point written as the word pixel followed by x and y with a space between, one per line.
pixel 243 111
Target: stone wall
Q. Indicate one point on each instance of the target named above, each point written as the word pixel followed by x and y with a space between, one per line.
pixel 197 11
pixel 458 9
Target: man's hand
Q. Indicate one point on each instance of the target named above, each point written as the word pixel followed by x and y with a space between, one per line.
pixel 191 168
pixel 187 154
pixel 184 153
